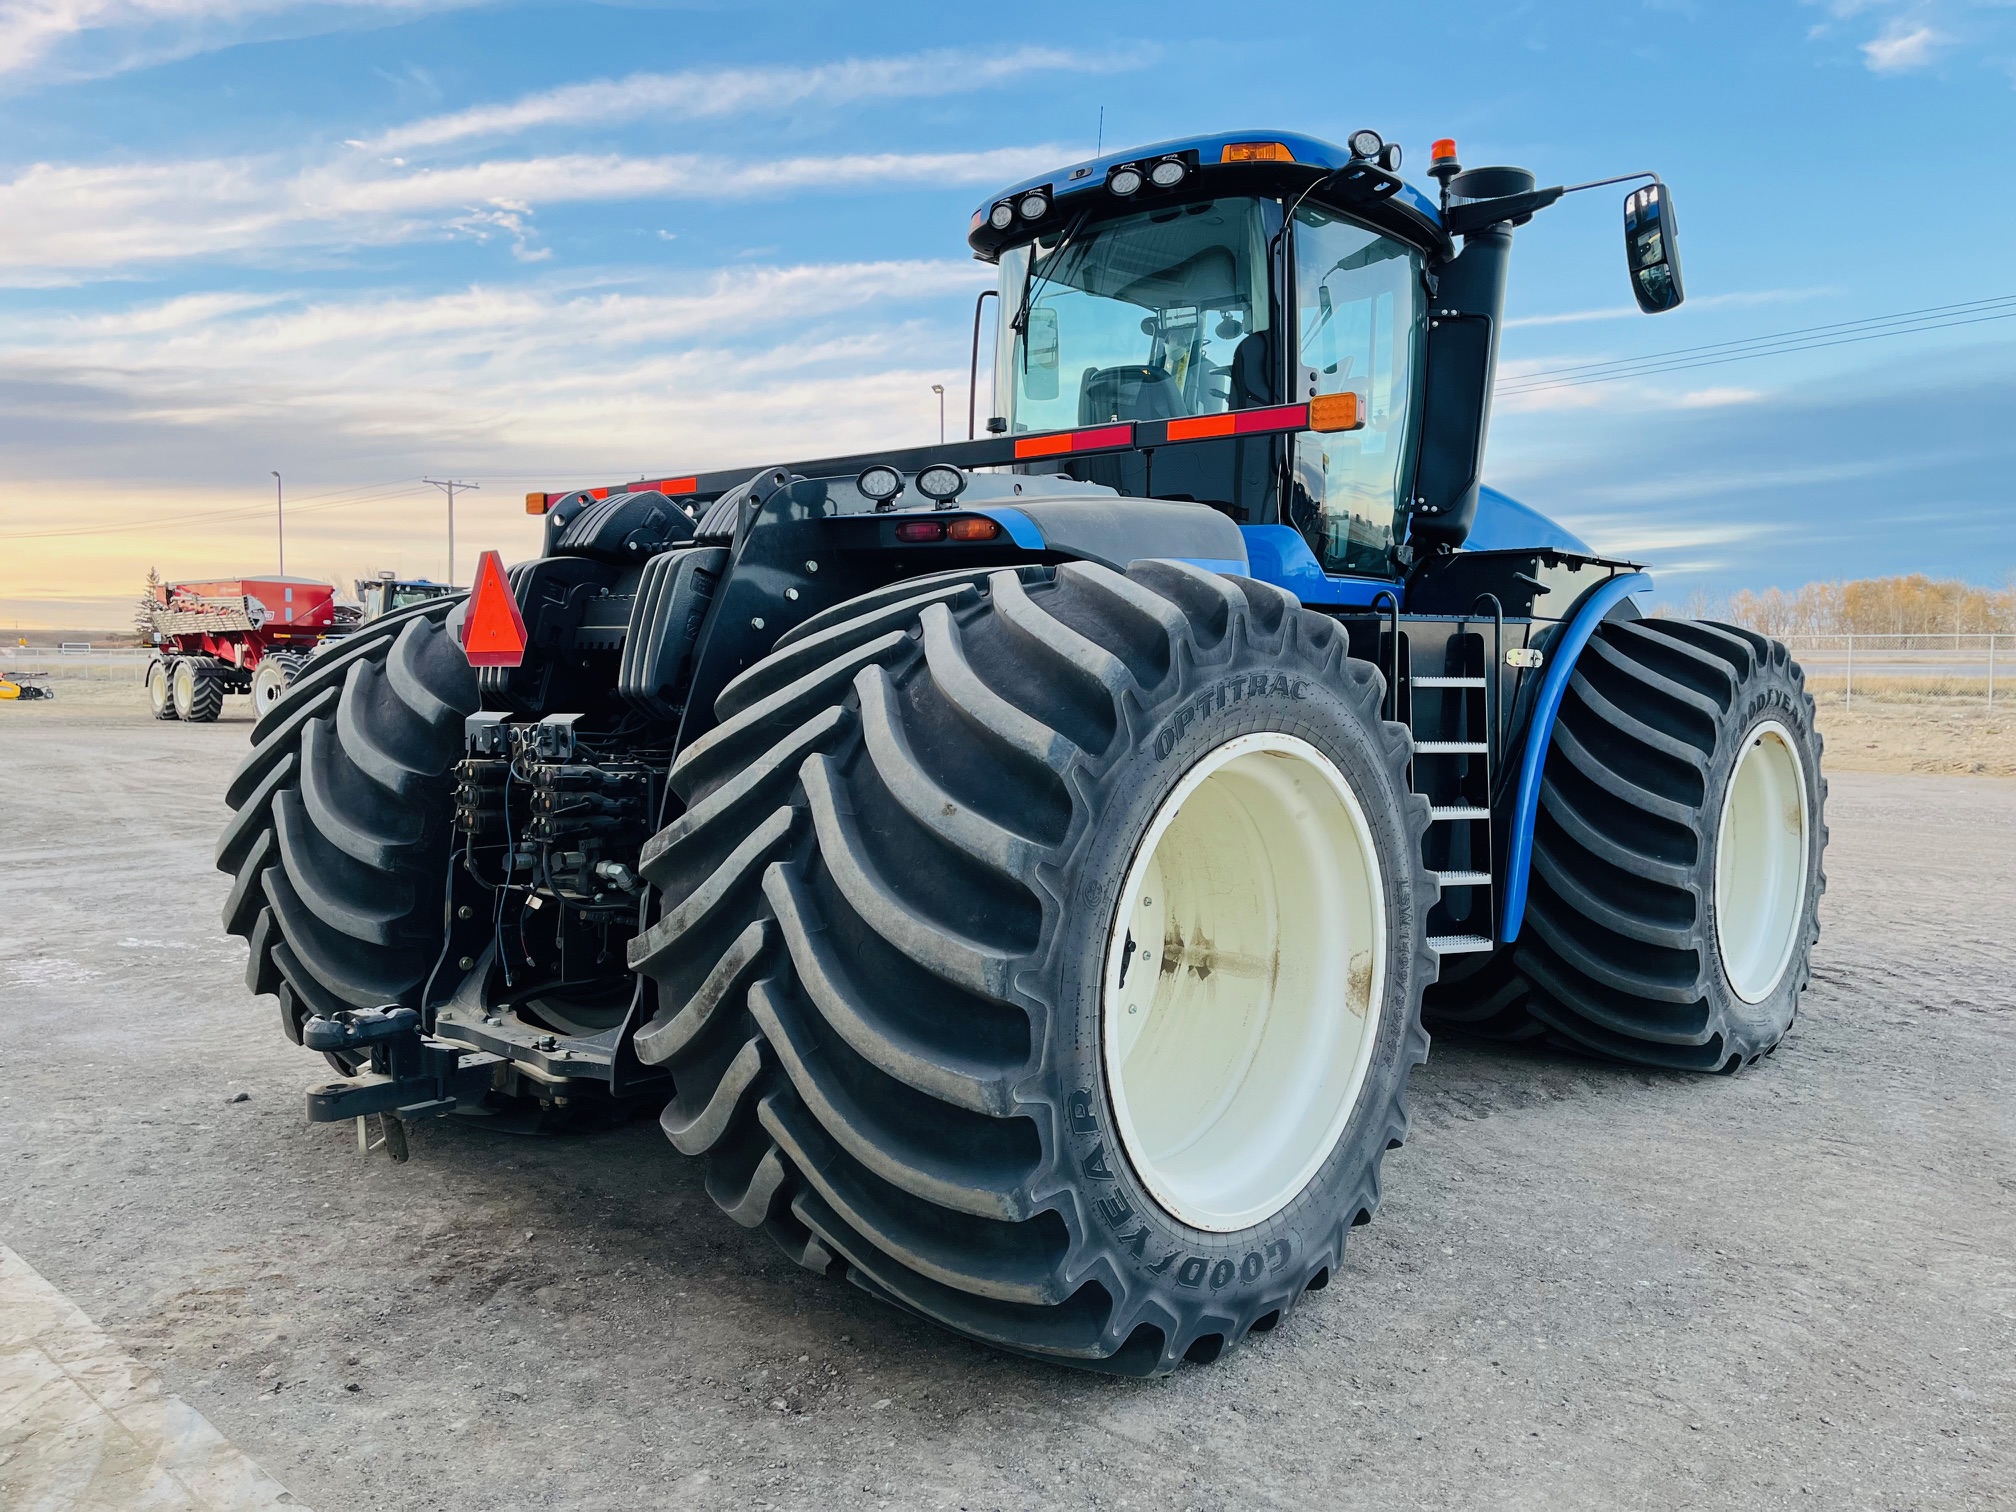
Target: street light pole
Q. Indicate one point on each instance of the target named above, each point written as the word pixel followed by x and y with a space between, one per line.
pixel 939 390
pixel 280 522
pixel 449 486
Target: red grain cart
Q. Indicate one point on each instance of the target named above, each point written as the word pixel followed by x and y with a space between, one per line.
pixel 233 635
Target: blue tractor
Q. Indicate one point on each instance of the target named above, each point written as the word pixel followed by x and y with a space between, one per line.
pixel 1027 869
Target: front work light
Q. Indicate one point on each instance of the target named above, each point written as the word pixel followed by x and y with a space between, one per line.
pixel 1002 217
pixel 1125 181
pixel 1365 144
pixel 1168 173
pixel 1033 206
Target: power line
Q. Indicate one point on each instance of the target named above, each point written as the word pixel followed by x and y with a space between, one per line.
pixel 1809 338
pixel 450 486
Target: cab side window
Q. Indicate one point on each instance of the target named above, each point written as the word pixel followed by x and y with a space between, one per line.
pixel 1359 312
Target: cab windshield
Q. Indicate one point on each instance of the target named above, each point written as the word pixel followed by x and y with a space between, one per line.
pixel 1148 316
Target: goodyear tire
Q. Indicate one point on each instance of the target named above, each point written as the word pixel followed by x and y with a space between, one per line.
pixel 197 690
pixel 898 915
pixel 269 683
pixel 338 842
pixel 160 688
pixel 1677 858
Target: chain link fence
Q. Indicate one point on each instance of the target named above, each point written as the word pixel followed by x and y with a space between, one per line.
pixel 1943 665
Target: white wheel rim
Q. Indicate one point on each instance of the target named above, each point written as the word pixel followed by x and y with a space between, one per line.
pixel 1235 1063
pixel 1760 862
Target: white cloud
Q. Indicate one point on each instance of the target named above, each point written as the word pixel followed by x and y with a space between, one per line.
pixel 769 356
pixel 31 30
pixel 1718 398
pixel 702 94
pixel 1901 47
pixel 98 219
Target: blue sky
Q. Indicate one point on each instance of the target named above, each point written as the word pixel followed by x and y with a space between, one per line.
pixel 535 245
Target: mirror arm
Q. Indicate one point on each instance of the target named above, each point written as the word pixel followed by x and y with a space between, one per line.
pixel 1463 219
pixel 1473 216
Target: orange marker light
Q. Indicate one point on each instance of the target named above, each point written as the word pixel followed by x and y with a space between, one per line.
pixel 1255 152
pixel 1445 148
pixel 1336 412
pixel 536 503
pixel 977 528
pixel 493 631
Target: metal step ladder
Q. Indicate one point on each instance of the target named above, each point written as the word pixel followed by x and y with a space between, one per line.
pixel 1450 715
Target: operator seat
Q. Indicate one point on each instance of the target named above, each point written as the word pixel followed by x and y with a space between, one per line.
pixel 1128 393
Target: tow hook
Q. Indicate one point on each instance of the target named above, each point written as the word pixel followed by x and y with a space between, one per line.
pixel 410 1075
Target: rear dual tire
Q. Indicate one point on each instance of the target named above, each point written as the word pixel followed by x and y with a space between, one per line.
pixel 1677 858
pixel 892 955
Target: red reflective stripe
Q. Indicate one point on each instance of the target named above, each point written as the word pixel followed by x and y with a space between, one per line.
pixel 493 631
pixel 1240 423
pixel 1283 417
pixel 679 486
pixel 1099 438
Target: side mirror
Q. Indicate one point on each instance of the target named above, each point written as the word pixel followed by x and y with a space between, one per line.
pixel 1652 250
pixel 1039 366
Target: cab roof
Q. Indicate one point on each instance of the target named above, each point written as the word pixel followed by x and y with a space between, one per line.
pixel 1313 158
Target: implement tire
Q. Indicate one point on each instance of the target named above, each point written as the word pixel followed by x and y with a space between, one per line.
pixel 160 688
pixel 338 842
pixel 197 689
pixel 269 681
pixel 1677 858
pixel 897 922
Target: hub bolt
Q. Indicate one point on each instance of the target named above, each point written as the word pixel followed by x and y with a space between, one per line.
pixel 467 963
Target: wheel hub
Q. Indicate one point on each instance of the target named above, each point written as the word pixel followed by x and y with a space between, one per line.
pixel 1760 862
pixel 1244 978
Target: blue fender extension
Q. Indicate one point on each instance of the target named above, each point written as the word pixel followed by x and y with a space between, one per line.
pixel 1561 658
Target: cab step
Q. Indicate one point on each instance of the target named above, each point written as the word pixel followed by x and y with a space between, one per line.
pixel 1459 944
pixel 1450 748
pixel 1464 878
pixel 1448 682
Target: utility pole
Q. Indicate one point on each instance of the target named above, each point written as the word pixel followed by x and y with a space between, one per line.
pixel 280 522
pixel 449 487
pixel 939 390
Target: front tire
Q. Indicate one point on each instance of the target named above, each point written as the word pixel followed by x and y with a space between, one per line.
pixel 893 944
pixel 1677 858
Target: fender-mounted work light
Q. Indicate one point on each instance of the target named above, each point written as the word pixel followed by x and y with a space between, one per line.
pixel 880 483
pixel 493 631
pixel 941 483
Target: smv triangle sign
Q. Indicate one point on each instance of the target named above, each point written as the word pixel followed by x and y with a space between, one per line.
pixel 493 631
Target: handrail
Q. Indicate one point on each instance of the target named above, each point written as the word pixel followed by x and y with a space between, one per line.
pixel 1494 701
pixel 1393 679
pixel 973 372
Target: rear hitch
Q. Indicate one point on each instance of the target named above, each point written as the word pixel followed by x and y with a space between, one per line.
pixel 410 1075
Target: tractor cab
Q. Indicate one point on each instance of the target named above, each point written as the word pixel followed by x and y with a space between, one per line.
pixel 387 593
pixel 1200 282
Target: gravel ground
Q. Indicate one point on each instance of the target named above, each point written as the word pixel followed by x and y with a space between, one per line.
pixel 1586 1288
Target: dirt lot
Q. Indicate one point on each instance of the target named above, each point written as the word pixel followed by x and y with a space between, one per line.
pixel 1586 1288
